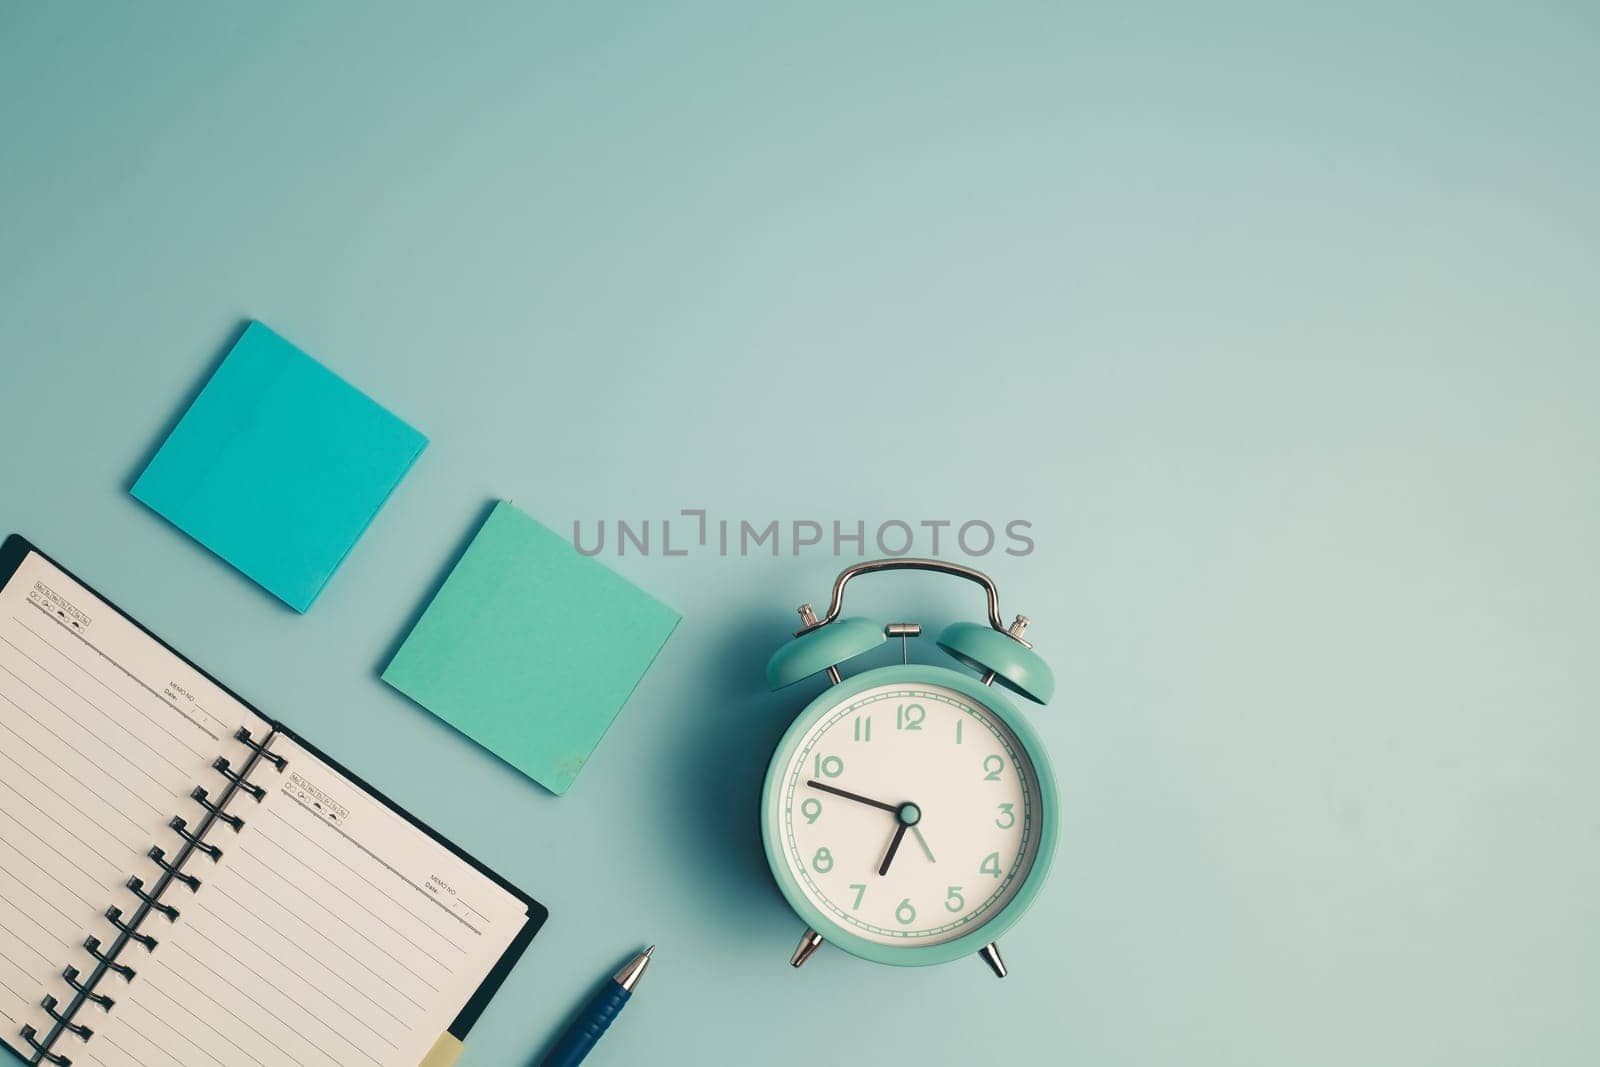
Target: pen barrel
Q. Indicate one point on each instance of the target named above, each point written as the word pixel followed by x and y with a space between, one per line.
pixel 588 1028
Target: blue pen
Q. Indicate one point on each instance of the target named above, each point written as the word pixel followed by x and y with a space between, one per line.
pixel 596 1017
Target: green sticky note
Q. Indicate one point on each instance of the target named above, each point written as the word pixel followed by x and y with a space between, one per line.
pixel 531 648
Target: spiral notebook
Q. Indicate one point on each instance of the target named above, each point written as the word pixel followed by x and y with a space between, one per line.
pixel 186 882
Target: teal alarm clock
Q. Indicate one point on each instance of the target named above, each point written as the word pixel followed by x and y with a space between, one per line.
pixel 910 813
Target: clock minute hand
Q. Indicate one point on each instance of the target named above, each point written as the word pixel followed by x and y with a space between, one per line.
pixel 916 832
pixel 857 797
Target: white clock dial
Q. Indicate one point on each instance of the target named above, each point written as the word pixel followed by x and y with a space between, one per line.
pixel 929 775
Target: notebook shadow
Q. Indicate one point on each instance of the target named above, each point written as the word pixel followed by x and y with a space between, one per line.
pixel 185 403
pixel 440 576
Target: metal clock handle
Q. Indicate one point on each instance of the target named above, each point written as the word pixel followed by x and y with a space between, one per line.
pixel 912 563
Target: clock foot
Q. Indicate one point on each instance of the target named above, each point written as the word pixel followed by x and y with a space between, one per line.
pixel 808 944
pixel 989 954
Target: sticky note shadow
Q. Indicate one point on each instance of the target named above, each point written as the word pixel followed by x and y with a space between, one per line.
pixel 468 533
pixel 186 402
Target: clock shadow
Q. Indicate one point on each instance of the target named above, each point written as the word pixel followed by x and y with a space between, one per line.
pixel 739 724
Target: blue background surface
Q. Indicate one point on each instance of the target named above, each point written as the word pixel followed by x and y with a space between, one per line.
pixel 1278 322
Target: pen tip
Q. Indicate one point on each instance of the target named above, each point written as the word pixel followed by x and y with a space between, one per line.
pixel 628 977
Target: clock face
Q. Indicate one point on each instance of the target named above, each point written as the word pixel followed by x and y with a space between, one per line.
pixel 909 814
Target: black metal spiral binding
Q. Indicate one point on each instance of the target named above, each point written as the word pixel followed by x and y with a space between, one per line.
pixel 31 1036
pixel 180 826
pixel 114 917
pixel 158 856
pixel 78 986
pixel 242 735
pixel 150 900
pixel 135 885
pixel 224 768
pixel 202 798
pixel 91 945
pixel 52 1008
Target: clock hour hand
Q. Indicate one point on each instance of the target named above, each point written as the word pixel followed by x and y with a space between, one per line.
pixel 857 797
pixel 894 846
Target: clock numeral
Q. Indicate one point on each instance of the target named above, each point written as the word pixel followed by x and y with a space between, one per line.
pixel 1008 817
pixel 953 900
pixel 861 891
pixel 993 765
pixel 864 728
pixel 829 766
pixel 811 808
pixel 959 724
pixel 990 865
pixel 905 914
pixel 822 862
pixel 910 717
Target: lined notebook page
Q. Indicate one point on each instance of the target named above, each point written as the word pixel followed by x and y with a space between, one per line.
pixel 103 733
pixel 331 933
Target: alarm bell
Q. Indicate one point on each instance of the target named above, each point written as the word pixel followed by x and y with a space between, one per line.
pixel 1001 656
pixel 814 651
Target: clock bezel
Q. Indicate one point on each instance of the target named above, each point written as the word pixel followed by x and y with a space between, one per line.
pixel 772 810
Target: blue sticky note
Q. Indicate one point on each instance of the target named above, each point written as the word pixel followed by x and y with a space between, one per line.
pixel 279 466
